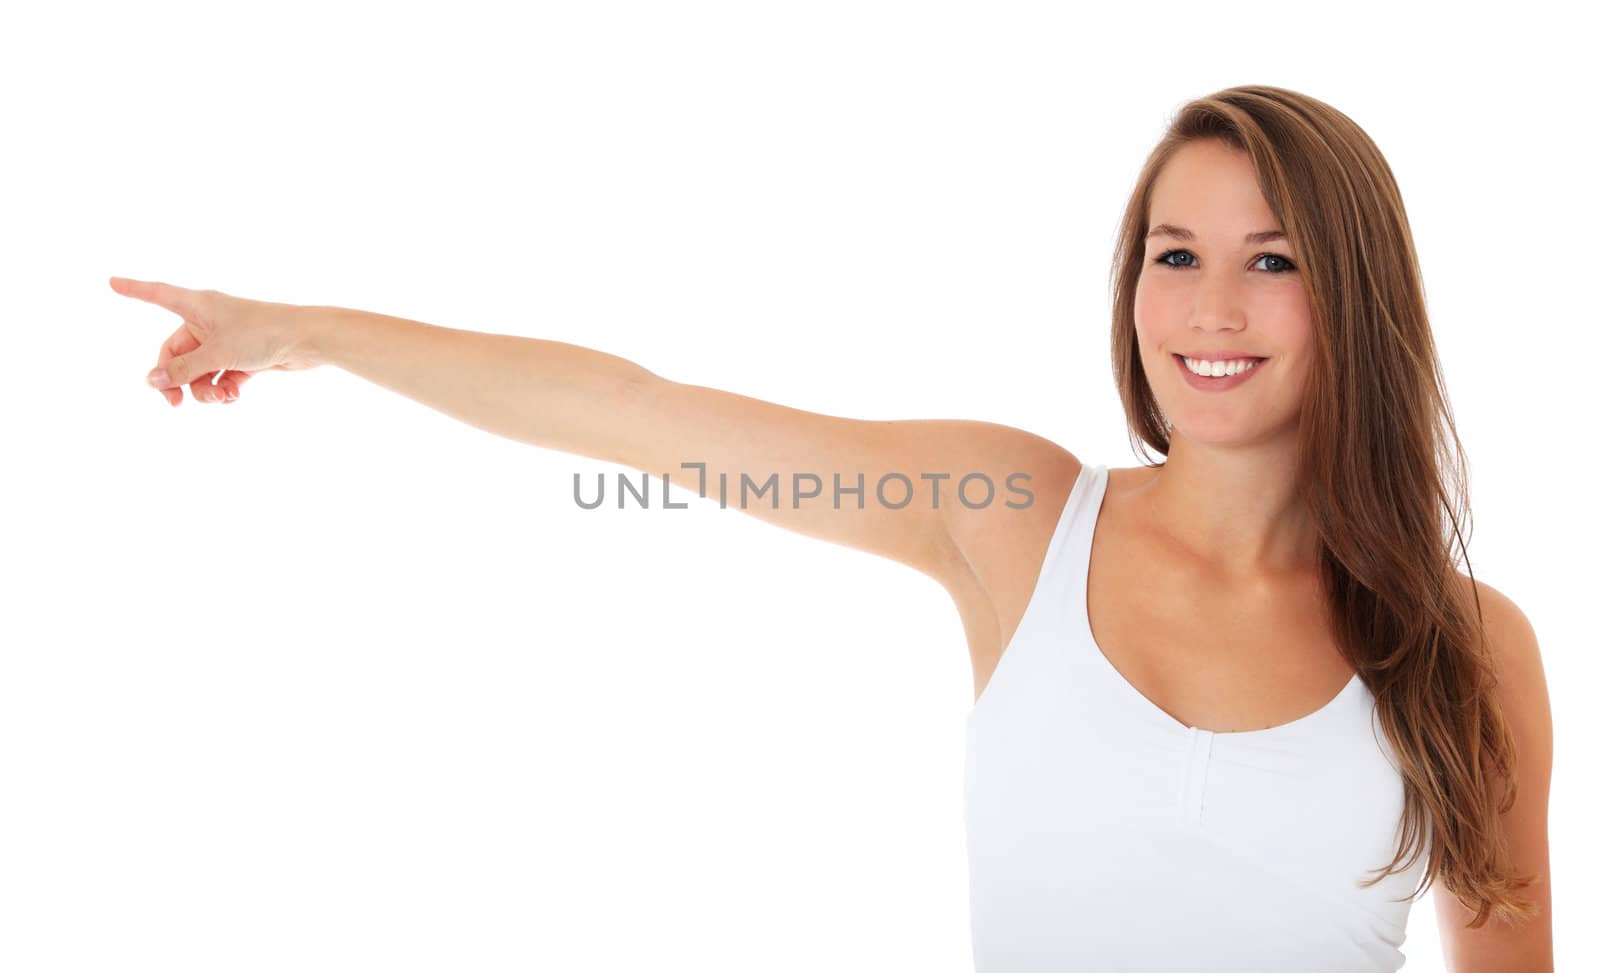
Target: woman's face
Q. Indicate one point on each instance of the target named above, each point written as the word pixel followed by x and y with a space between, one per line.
pixel 1206 289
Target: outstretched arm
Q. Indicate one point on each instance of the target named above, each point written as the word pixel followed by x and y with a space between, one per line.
pixel 588 402
pixel 545 393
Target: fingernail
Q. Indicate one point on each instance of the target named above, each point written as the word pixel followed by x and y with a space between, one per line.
pixel 158 378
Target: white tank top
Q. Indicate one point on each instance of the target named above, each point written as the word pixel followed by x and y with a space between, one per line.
pixel 1105 835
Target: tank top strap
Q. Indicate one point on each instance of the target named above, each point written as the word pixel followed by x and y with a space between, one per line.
pixel 1050 603
pixel 1034 662
pixel 1077 542
pixel 1069 541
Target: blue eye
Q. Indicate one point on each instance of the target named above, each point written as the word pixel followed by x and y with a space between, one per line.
pixel 1286 268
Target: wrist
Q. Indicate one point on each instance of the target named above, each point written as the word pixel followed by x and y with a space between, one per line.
pixel 313 333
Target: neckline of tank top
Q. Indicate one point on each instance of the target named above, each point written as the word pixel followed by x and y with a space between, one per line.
pixel 1078 588
pixel 1080 583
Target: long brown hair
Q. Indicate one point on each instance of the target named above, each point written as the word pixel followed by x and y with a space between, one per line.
pixel 1376 470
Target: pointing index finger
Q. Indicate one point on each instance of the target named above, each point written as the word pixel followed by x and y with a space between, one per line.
pixel 178 300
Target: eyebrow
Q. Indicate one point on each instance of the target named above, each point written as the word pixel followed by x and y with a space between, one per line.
pixel 1260 236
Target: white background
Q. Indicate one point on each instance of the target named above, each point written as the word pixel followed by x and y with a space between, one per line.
pixel 325 680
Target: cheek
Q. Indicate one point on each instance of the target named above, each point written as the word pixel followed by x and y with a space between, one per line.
pixel 1292 332
pixel 1156 310
pixel 1286 303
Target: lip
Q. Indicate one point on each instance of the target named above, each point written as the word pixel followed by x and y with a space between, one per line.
pixel 1206 384
pixel 1220 354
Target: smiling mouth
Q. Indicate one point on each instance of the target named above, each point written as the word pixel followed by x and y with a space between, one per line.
pixel 1258 359
pixel 1218 383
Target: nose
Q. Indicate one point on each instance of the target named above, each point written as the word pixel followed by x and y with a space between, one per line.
pixel 1216 304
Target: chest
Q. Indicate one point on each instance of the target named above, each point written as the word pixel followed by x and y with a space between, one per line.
pixel 1225 656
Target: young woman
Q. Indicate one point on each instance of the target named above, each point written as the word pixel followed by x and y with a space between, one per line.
pixel 1236 709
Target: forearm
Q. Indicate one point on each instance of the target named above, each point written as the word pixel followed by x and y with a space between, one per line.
pixel 544 393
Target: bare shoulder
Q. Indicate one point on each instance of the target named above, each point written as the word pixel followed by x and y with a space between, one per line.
pixel 998 546
pixel 1509 633
pixel 1523 694
pixel 1021 464
pixel 1519 666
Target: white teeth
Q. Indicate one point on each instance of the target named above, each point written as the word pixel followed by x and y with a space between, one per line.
pixel 1215 369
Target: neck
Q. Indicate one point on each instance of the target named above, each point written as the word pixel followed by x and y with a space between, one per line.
pixel 1234 509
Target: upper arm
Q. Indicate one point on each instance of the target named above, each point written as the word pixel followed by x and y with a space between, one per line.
pixel 1524 697
pixel 769 450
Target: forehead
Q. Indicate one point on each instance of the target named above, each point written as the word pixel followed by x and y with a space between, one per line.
pixel 1211 189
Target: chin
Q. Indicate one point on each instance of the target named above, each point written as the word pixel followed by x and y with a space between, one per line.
pixel 1225 431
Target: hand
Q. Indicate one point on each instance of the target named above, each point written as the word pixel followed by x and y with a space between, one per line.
pixel 223 339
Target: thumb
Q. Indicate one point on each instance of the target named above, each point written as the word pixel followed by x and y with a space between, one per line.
pixel 182 369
